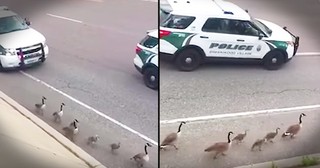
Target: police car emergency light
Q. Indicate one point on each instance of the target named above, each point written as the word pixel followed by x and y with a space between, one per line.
pixel 198 30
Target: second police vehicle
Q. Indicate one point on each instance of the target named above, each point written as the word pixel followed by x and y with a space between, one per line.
pixel 200 30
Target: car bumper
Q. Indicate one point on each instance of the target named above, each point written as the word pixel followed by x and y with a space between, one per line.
pixel 296 41
pixel 138 63
pixel 12 62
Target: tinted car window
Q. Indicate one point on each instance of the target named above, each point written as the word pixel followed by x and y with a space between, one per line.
pixel 149 42
pixel 177 22
pixel 229 26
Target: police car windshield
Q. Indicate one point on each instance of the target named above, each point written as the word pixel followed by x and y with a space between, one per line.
pixel 177 22
pixel 263 27
pixel 11 24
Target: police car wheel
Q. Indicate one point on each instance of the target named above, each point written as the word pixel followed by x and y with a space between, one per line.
pixel 274 60
pixel 188 60
pixel 1 67
pixel 150 77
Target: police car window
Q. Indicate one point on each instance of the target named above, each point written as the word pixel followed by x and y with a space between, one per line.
pixel 177 22
pixel 216 25
pixel 149 42
pixel 229 26
pixel 243 28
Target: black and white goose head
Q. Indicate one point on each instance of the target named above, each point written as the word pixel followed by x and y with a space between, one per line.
pixel 146 156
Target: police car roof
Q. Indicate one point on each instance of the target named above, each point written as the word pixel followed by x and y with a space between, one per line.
pixel 217 8
pixel 5 12
pixel 154 33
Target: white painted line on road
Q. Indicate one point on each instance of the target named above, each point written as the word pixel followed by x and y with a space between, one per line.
pixel 308 54
pixel 150 0
pixel 65 18
pixel 91 108
pixel 231 115
pixel 96 0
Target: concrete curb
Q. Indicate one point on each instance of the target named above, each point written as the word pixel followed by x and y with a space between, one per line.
pixel 77 151
pixel 284 163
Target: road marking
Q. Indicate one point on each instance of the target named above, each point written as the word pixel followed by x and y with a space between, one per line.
pixel 96 0
pixel 232 115
pixel 65 18
pixel 150 0
pixel 91 108
pixel 309 54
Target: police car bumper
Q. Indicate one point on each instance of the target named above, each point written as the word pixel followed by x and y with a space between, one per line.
pixel 138 63
pixel 12 62
pixel 296 41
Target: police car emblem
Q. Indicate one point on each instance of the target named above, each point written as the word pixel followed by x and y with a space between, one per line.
pixel 259 48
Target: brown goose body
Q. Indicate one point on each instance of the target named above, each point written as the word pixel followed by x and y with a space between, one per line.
pixel 294 129
pixel 270 136
pixel 258 143
pixel 172 138
pixel 240 137
pixel 115 146
pixel 220 147
pixel 141 158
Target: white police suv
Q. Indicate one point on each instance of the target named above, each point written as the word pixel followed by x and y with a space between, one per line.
pixel 199 30
pixel 146 60
pixel 20 45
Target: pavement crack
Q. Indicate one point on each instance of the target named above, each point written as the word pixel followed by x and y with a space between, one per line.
pixel 282 91
pixel 70 86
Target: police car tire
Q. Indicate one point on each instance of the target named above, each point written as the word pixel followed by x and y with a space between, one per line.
pixel 268 60
pixel 150 71
pixel 194 55
pixel 1 67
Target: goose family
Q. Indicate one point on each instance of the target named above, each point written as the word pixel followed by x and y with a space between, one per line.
pixel 73 128
pixel 223 147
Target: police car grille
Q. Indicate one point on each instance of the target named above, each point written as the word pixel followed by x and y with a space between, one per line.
pixel 31 51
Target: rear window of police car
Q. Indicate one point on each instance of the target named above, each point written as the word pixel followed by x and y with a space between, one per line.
pixel 177 21
pixel 149 42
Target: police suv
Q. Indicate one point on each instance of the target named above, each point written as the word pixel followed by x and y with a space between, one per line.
pixel 196 31
pixel 20 45
pixel 146 59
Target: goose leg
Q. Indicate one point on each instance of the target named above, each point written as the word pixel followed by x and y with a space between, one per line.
pixel 215 156
pixel 175 146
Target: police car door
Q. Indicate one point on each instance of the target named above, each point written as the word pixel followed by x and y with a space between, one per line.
pixel 222 39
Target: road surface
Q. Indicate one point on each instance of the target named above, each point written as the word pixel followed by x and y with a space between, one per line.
pixel 92 46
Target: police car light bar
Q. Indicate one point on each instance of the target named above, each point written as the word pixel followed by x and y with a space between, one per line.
pixel 228 13
pixel 225 12
pixel 4 8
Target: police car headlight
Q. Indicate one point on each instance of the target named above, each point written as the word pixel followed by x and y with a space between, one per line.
pixel 290 43
pixel 7 52
pixel 44 44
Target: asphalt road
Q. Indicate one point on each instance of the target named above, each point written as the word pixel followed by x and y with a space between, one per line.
pixel 228 88
pixel 92 61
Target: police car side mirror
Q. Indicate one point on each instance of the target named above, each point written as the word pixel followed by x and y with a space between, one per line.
pixel 260 36
pixel 27 21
